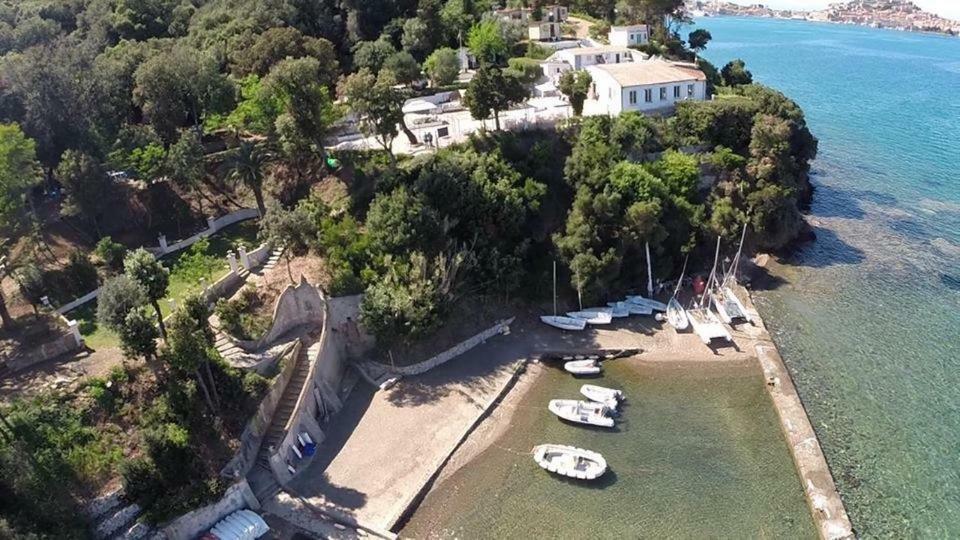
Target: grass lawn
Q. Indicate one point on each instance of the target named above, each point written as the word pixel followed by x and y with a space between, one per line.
pixel 205 259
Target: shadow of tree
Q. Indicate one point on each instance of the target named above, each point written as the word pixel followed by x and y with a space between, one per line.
pixel 828 250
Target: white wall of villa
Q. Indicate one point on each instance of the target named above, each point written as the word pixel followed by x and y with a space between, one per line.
pixel 651 86
pixel 625 36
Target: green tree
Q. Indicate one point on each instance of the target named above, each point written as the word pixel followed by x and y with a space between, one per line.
pixel 735 73
pixel 19 171
pixel 111 253
pixel 378 104
pixel 143 19
pixel 401 221
pixel 118 296
pixel 487 44
pixel 88 188
pixel 185 164
pixel 190 346
pixel 307 110
pixel 575 84
pixel 418 37
pixel 143 268
pixel 698 40
pixel 492 91
pixel 280 43
pixel 138 334
pixel 290 228
pixel 372 55
pixel 404 67
pixel 180 87
pixel 442 66
pixel 245 166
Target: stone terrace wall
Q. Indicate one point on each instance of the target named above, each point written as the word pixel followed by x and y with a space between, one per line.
pixel 296 306
pixel 190 525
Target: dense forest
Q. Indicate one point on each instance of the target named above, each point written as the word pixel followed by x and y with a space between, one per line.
pixel 210 105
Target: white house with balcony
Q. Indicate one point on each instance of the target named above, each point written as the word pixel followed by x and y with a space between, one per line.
pixel 626 36
pixel 648 86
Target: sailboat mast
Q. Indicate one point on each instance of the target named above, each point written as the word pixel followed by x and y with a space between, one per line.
pixel 713 274
pixel 646 246
pixel 736 259
pixel 682 272
pixel 554 287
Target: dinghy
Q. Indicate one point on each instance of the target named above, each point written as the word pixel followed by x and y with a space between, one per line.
pixel 619 309
pixel 631 308
pixel 564 323
pixel 582 367
pixel 592 316
pixel 649 302
pixel 728 308
pixel 607 396
pixel 707 326
pixel 570 461
pixel 676 315
pixel 581 412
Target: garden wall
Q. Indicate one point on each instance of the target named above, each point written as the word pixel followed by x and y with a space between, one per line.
pixel 190 525
pixel 297 305
pixel 257 427
pixel 68 342
pixel 449 354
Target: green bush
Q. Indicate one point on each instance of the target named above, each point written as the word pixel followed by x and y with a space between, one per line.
pixel 237 316
pixel 111 253
pixel 141 480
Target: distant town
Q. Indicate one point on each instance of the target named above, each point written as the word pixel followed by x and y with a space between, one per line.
pixel 894 14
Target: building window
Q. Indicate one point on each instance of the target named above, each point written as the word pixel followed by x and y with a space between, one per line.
pixel 633 97
pixel 676 91
pixel 690 90
pixel 663 93
pixel 648 95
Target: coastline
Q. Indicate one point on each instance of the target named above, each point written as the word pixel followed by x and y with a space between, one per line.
pixel 837 23
pixel 757 350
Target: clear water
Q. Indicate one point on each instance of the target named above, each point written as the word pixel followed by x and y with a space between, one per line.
pixel 698 453
pixel 868 316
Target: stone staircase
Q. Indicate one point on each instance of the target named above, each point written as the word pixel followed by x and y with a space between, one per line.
pixel 273 260
pixel 225 346
pixel 264 485
pixel 113 519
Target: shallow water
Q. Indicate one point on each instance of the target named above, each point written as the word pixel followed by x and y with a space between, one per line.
pixel 698 452
pixel 867 316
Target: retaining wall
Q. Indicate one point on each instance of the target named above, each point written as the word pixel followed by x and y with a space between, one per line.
pixel 66 343
pixel 296 306
pixel 318 400
pixel 257 427
pixel 190 525
pixel 449 354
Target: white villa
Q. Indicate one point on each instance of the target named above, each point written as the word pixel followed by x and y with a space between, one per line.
pixel 648 86
pixel 625 36
pixel 581 57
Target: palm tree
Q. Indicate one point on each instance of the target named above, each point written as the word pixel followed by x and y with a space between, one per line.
pixel 245 166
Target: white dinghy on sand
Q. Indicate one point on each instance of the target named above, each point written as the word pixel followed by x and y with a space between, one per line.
pixel 581 412
pixel 570 461
pixel 564 323
pixel 649 302
pixel 609 397
pixel 593 316
pixel 582 367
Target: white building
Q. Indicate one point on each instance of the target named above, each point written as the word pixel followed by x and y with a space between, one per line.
pixel 648 86
pixel 581 57
pixel 625 36
pixel 546 27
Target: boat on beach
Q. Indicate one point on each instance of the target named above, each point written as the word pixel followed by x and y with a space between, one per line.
pixel 593 316
pixel 649 302
pixel 582 367
pixel 619 309
pixel 607 396
pixel 581 412
pixel 728 306
pixel 570 461
pixel 676 315
pixel 707 326
pixel 635 309
pixel 564 323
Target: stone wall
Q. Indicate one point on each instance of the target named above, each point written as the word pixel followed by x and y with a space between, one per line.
pixel 68 342
pixel 449 354
pixel 257 427
pixel 296 306
pixel 191 525
pixel 318 400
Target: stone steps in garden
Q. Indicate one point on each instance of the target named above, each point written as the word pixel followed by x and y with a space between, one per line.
pixel 285 408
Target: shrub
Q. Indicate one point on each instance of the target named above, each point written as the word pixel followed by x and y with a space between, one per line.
pixel 118 296
pixel 141 480
pixel 81 273
pixel 111 253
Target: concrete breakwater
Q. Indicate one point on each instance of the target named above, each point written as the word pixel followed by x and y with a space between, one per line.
pixel 824 500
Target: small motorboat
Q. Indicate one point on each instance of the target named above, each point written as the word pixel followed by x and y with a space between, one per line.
pixel 676 315
pixel 564 323
pixel 581 412
pixel 570 461
pixel 632 308
pixel 582 367
pixel 610 397
pixel 592 316
pixel 653 304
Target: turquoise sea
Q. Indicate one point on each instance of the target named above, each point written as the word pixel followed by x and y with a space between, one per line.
pixel 868 316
